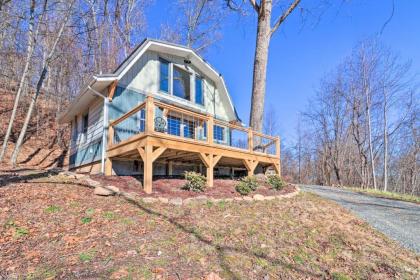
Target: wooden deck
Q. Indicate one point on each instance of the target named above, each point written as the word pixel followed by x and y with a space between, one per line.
pixel 155 131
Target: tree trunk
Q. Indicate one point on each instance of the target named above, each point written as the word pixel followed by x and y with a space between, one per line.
pixel 369 124
pixel 385 143
pixel 45 67
pixel 29 51
pixel 260 66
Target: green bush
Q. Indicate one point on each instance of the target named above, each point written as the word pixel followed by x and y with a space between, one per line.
pixel 246 185
pixel 195 182
pixel 276 182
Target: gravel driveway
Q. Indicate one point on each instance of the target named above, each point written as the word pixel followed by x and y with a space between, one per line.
pixel 397 219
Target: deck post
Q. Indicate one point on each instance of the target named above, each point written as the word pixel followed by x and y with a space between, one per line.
pixel 108 167
pixel 148 169
pixel 150 114
pixel 250 166
pixel 250 140
pixel 210 172
pixel 210 129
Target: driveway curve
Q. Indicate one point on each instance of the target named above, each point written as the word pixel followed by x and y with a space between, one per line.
pixel 398 220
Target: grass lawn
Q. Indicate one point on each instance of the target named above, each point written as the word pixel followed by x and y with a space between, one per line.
pixel 64 231
pixel 391 195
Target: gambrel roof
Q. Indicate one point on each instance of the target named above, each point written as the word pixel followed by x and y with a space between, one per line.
pixel 99 83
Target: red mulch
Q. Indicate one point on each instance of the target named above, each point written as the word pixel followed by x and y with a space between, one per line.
pixel 223 188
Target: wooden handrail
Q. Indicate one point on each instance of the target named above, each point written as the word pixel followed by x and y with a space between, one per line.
pixel 128 114
pixel 209 118
pixel 181 110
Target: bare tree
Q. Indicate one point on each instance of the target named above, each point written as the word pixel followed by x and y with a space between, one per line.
pixel 45 65
pixel 265 30
pixel 32 36
pixel 197 24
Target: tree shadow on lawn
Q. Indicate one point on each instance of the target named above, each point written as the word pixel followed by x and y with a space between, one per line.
pixel 221 250
pixel 24 178
pixel 191 230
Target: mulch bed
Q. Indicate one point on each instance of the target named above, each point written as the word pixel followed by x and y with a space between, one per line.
pixel 223 188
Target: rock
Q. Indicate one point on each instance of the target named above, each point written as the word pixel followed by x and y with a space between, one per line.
pixel 102 191
pixel 176 201
pixel 238 198
pixel 247 198
pixel 215 200
pixel 258 197
pixel 201 197
pixel 113 188
pixel 163 200
pixel 270 197
pixel 150 200
pixel 213 276
pixel 261 178
pixel 188 200
pixel 79 176
pixel 92 183
pixel 228 199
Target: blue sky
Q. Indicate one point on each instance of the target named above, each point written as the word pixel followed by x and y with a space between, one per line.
pixel 301 55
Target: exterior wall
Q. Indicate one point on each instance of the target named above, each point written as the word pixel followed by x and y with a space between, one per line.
pixel 87 147
pixel 143 78
pixel 91 168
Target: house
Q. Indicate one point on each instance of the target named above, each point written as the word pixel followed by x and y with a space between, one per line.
pixel 163 111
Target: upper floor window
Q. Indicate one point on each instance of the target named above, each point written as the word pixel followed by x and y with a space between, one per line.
pixel 75 129
pixel 164 75
pixel 181 83
pixel 199 96
pixel 85 124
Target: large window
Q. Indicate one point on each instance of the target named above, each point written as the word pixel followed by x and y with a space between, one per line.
pixel 164 75
pixel 141 116
pixel 199 97
pixel 85 125
pixel 174 125
pixel 181 83
pixel 219 133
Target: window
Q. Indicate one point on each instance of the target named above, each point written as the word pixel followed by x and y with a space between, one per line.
pixel 199 97
pixel 164 75
pixel 188 129
pixel 181 83
pixel 142 120
pixel 219 133
pixel 75 129
pixel 174 125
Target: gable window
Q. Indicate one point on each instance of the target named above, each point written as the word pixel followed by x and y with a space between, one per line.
pixel 199 96
pixel 219 133
pixel 181 83
pixel 164 75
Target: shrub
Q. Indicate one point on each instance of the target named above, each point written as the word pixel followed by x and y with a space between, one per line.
pixel 276 182
pixel 246 185
pixel 195 182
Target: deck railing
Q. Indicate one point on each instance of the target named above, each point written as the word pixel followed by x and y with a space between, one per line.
pixel 153 116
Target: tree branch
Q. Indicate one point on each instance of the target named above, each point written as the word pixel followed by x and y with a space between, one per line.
pixel 284 16
pixel 255 5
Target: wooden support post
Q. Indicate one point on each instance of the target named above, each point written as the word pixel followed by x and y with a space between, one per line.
pixel 150 115
pixel 250 140
pixel 148 169
pixel 210 125
pixel 111 90
pixel 108 167
pixel 149 156
pixel 277 168
pixel 210 161
pixel 250 166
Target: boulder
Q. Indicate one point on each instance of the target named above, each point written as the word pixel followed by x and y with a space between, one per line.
pixel 176 201
pixel 150 200
pixel 247 198
pixel 103 191
pixel 92 183
pixel 163 200
pixel 213 276
pixel 113 188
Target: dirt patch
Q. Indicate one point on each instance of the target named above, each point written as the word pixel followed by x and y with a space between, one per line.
pixel 223 188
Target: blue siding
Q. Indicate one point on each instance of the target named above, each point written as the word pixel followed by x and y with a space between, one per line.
pixel 87 155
